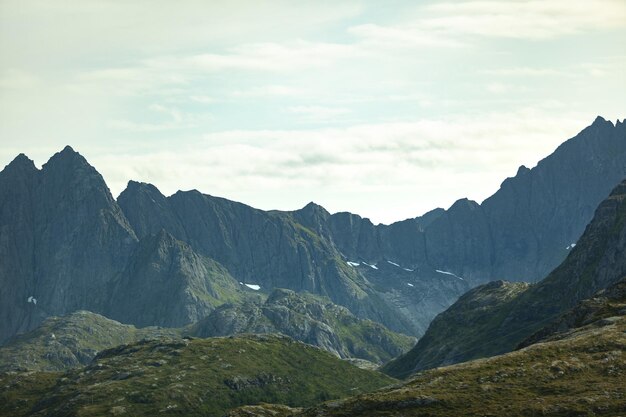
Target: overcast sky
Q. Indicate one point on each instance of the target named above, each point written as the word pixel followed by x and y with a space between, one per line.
pixel 387 112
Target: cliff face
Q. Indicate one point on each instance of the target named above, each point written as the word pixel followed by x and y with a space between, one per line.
pixel 63 238
pixel 496 317
pixel 520 233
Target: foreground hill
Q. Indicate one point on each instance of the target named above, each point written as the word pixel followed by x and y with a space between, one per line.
pixel 199 377
pixel 309 319
pixel 577 372
pixel 496 317
pixel 148 259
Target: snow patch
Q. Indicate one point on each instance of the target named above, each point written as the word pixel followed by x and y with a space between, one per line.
pixel 410 285
pixel 449 273
pixel 353 263
pixel 32 299
pixel 393 263
pixel 254 287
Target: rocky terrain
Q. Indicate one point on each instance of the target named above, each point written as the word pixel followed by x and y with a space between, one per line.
pixel 197 377
pixel 62 343
pixel 581 374
pixel 71 341
pixel 495 318
pixel 148 259
pixel 309 319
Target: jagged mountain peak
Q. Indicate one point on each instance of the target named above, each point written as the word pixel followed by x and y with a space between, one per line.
pixel 21 162
pixel 66 156
pixel 136 187
pixel 599 120
pixel 464 203
pixel 312 206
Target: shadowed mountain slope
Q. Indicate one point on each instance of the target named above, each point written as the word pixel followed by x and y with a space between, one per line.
pixel 496 317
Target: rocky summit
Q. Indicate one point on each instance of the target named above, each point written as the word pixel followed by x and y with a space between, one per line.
pixel 146 259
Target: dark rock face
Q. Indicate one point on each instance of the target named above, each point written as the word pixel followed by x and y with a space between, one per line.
pixel 63 238
pixel 309 319
pixel 520 233
pixel 66 245
pixel 497 317
pixel 167 284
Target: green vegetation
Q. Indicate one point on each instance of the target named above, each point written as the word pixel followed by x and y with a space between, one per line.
pixel 582 374
pixel 311 319
pixel 198 377
pixel 67 342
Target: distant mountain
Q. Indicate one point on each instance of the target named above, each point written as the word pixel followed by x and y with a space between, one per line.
pixel 520 233
pixel 309 319
pixel 199 377
pixel 496 317
pixel 147 259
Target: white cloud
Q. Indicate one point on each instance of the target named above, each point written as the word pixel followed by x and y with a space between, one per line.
pixel 526 19
pixel 448 24
pixel 269 91
pixel 318 113
pixel 384 171
pixel 16 79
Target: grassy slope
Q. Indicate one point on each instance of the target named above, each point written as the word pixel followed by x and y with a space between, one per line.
pixel 199 377
pixel 583 374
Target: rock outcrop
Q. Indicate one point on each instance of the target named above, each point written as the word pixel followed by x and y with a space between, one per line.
pixel 309 319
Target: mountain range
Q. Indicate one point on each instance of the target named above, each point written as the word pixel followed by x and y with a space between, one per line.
pixel 146 259
pixel 573 365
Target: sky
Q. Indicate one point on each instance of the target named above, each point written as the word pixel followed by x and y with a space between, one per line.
pixel 384 109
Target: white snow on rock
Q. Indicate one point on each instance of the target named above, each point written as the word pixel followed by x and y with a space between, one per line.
pixel 353 263
pixel 449 273
pixel 254 287
pixel 393 263
pixel 410 285
pixel 32 299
